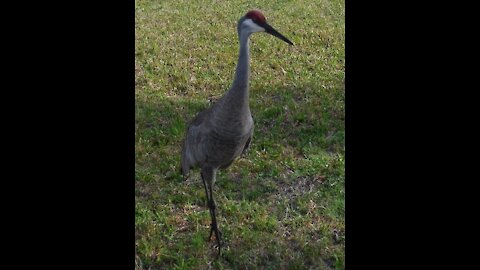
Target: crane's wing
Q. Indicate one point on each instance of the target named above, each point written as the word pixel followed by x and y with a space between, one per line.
pixel 193 138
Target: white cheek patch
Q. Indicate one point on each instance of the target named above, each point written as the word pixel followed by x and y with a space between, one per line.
pixel 253 26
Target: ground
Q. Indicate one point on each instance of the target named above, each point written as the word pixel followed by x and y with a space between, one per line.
pixel 281 206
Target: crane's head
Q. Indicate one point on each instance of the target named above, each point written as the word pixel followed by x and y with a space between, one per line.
pixel 254 21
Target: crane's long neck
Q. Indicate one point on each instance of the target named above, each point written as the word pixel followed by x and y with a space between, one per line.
pixel 236 99
pixel 243 66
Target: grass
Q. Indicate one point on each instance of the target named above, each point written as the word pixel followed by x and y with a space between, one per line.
pixel 281 206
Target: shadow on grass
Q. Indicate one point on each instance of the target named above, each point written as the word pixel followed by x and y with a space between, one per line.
pixel 295 117
pixel 293 125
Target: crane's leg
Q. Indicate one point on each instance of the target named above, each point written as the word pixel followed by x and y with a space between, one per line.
pixel 208 200
pixel 208 177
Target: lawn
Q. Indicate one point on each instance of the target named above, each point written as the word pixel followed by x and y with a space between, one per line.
pixel 282 206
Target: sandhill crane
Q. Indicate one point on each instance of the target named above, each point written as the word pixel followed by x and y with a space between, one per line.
pixel 221 133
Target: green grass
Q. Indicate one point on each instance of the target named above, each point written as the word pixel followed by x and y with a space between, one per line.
pixel 279 207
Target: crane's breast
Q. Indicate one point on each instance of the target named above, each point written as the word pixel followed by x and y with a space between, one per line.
pixel 222 149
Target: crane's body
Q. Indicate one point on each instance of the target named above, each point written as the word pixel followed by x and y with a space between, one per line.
pixel 221 133
pixel 218 135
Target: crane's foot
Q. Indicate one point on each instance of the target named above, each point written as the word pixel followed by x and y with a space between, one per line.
pixel 218 236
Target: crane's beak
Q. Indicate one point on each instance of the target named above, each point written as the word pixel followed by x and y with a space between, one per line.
pixel 274 32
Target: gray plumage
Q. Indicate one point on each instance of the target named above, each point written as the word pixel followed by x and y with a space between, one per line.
pixel 221 133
